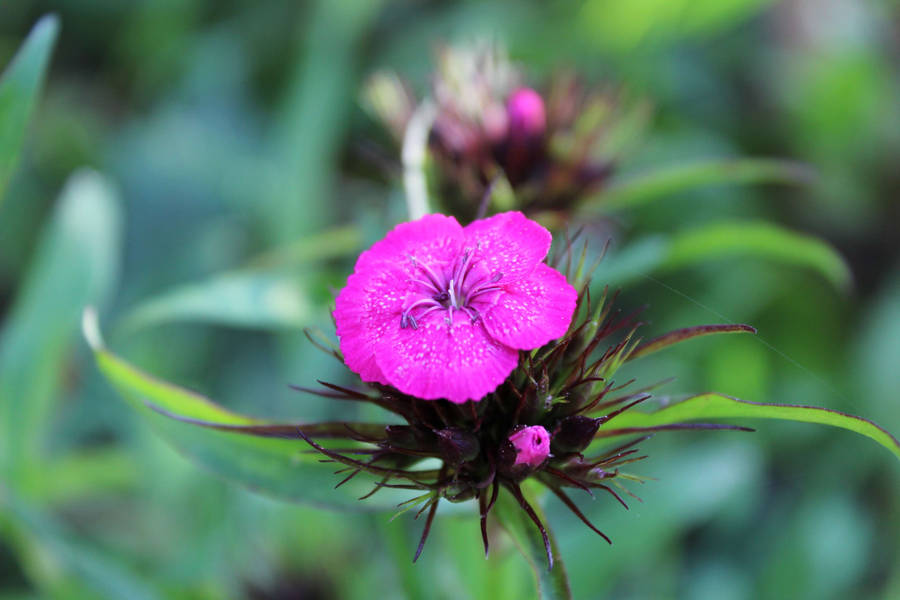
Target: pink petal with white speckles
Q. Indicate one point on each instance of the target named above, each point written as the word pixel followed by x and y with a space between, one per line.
pixel 369 305
pixel 433 239
pixel 509 243
pixel 532 311
pixel 437 360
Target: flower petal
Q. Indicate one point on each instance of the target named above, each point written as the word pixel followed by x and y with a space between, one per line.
pixel 531 312
pixel 509 243
pixel 458 362
pixel 433 239
pixel 369 306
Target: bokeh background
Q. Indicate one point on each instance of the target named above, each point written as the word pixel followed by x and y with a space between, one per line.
pixel 232 133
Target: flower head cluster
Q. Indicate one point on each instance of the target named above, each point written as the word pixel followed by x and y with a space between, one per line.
pixel 433 317
pixel 554 147
pixel 438 310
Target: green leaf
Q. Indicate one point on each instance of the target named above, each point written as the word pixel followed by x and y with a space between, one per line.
pixel 501 195
pixel 76 265
pixel 625 26
pixel 717 406
pixel 643 189
pixel 266 294
pixel 732 239
pixel 634 259
pixel 284 468
pixel 680 335
pixel 319 98
pixel 333 243
pixel 758 240
pixel 19 88
pixel 552 583
pixel 74 477
pixel 238 299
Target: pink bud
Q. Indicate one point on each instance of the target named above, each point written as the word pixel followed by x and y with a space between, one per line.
pixel 532 445
pixel 527 117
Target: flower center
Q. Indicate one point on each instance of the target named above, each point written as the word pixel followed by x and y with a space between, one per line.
pixel 453 288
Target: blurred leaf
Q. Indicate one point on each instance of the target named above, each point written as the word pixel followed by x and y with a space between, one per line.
pixel 267 294
pixel 732 239
pixel 877 346
pixel 762 240
pixel 634 259
pixel 284 468
pixel 333 243
pixel 551 583
pixel 238 299
pixel 102 574
pixel 19 88
pixel 75 265
pixel 624 25
pixel 716 406
pixel 502 197
pixel 76 476
pixel 643 189
pixel 320 95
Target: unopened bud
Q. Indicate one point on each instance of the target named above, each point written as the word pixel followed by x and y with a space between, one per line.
pixel 573 434
pixel 532 445
pixel 527 117
pixel 458 445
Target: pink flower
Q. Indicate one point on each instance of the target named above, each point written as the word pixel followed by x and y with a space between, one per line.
pixel 438 310
pixel 532 446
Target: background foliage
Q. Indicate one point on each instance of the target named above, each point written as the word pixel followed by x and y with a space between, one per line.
pixel 232 183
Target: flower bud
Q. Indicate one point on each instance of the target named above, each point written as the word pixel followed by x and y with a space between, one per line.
pixel 458 445
pixel 402 436
pixel 532 446
pixel 573 434
pixel 527 117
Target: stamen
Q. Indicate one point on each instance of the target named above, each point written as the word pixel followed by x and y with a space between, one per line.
pixel 449 290
pixel 481 291
pixel 452 292
pixel 461 265
pixel 468 269
pixel 406 317
pixel 428 285
pixel 428 272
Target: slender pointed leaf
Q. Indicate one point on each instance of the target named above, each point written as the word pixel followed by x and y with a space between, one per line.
pixel 643 189
pixel 552 584
pixel 82 475
pixel 734 239
pixel 336 242
pixel 680 335
pixel 280 467
pixel 238 299
pixel 758 240
pixel 265 294
pixel 76 264
pixel 20 85
pixel 717 406
pixel 338 430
